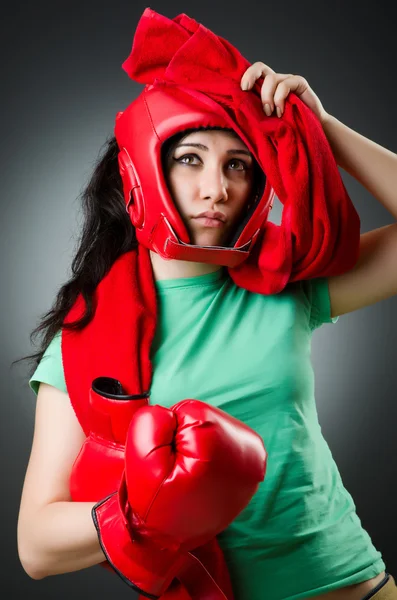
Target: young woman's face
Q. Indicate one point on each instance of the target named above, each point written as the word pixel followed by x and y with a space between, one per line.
pixel 210 171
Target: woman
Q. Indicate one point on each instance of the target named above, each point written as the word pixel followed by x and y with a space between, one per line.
pixel 287 543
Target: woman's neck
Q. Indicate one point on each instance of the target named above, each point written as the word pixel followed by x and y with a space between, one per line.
pixel 174 269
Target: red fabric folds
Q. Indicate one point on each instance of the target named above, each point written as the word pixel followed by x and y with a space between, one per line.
pixel 116 343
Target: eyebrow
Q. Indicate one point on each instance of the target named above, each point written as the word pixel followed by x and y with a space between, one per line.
pixel 202 147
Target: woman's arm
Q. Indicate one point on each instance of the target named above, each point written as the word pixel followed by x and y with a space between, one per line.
pixel 374 277
pixel 55 535
pixel 60 538
pixel 372 165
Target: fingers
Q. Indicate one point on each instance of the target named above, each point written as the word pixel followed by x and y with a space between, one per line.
pixel 256 70
pixel 275 88
pixel 259 69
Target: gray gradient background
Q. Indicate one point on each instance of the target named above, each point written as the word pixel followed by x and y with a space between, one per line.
pixel 62 85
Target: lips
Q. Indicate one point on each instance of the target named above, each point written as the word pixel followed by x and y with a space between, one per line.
pixel 212 215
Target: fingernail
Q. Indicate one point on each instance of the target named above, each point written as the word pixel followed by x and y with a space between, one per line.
pixel 268 110
pixel 278 111
pixel 245 86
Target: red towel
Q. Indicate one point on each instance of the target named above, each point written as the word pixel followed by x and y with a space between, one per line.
pixel 319 233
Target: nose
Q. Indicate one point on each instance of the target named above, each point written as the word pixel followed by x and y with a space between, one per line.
pixel 213 185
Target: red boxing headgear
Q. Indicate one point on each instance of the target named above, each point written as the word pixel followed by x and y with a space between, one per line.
pixel 192 81
pixel 161 111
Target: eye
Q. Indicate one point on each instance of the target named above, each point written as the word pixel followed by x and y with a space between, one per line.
pixel 241 165
pixel 187 159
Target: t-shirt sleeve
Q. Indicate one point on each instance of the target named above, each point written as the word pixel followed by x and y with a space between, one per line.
pixel 50 368
pixel 317 292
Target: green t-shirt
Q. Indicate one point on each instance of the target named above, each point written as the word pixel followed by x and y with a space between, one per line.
pixel 250 355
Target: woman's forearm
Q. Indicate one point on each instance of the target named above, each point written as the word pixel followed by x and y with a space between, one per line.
pixel 372 165
pixel 62 538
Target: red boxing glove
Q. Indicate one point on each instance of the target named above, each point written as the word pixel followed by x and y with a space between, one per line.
pixel 110 413
pixel 189 471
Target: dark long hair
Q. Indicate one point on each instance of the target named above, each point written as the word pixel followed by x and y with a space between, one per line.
pixel 107 233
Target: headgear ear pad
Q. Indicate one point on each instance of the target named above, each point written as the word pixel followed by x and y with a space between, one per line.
pixel 161 111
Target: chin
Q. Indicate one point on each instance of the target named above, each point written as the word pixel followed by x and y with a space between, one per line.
pixel 209 236
pixel 207 239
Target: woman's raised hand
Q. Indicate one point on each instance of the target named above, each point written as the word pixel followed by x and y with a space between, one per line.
pixel 277 86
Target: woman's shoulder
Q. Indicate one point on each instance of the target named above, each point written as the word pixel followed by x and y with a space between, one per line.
pixel 50 368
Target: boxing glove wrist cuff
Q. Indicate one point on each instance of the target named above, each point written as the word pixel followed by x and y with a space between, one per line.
pixel 144 565
pixel 145 559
